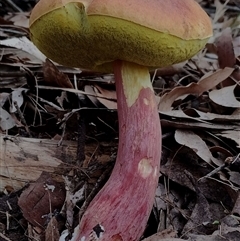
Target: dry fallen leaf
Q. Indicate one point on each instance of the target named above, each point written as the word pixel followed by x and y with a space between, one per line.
pixel 19 19
pixel 91 94
pixel 54 77
pixel 236 208
pixel 225 52
pixel 6 120
pixel 3 98
pixel 106 97
pixel 24 44
pixel 234 177
pixel 219 237
pixel 193 141
pixel 200 215
pixel 158 237
pixel 225 97
pixel 220 11
pixel 236 46
pixel 41 198
pixel 231 134
pixel 52 233
pixel 205 84
pixel 217 117
pixel 17 97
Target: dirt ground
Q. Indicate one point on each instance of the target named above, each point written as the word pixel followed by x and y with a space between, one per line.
pixel 59 136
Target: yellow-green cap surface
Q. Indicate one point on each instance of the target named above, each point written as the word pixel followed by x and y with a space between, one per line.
pixel 91 34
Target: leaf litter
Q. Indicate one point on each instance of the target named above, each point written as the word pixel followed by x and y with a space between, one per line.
pixel 199 104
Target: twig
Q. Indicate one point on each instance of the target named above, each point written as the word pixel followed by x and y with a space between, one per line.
pixel 106 124
pixel 63 127
pixel 4 237
pixel 213 172
pixel 13 6
pixel 22 118
pixel 81 139
pixel 228 162
pixel 13 74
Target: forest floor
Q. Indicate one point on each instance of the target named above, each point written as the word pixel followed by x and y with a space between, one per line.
pixel 59 136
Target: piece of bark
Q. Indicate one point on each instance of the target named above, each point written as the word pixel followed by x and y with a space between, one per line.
pixel 22 160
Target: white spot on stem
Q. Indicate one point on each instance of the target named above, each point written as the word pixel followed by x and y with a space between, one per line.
pixel 145 168
pixel 146 101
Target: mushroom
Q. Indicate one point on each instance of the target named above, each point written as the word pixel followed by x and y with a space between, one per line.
pixel 126 37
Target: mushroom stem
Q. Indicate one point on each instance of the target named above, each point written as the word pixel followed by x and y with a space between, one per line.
pixel 121 209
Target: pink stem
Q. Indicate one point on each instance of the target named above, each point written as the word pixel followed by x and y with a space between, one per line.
pixel 120 211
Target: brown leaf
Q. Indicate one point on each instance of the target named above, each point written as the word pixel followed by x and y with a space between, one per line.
pixel 167 234
pixel 54 77
pixel 91 94
pixel 52 232
pixel 225 52
pixel 236 208
pixel 106 97
pixel 219 237
pixel 201 214
pixel 211 188
pixel 40 198
pixel 157 237
pixel 234 177
pixel 205 84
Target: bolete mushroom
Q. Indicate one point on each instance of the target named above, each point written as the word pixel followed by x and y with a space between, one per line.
pixel 127 37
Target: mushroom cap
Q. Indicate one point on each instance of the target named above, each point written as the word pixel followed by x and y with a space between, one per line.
pixel 91 34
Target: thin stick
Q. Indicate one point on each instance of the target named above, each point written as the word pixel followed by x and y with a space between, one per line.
pixel 22 118
pixel 13 6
